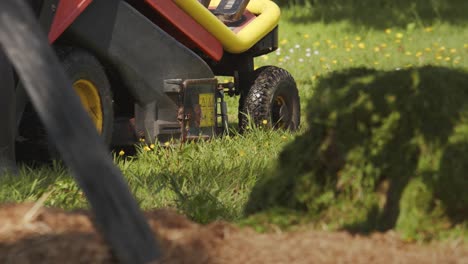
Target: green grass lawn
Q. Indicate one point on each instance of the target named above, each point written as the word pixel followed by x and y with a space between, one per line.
pixel 212 180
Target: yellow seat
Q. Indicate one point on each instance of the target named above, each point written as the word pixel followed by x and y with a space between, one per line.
pixel 267 12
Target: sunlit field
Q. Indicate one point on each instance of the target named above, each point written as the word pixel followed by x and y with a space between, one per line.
pixel 212 180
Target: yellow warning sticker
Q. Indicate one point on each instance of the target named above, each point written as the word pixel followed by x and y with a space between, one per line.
pixel 207 105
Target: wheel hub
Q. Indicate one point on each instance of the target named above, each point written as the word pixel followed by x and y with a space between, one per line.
pixel 91 101
pixel 280 113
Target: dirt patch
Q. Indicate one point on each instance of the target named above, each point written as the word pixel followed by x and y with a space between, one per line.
pixel 54 236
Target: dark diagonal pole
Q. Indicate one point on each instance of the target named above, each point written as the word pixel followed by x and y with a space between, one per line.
pixel 117 215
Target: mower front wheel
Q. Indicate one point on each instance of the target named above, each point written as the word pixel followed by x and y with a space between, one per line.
pixel 272 100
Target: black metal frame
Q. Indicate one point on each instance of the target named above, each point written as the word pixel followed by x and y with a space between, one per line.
pixel 7 115
pixel 241 66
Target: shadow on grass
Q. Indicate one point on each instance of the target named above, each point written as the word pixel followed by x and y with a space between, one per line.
pixel 381 13
pixel 385 150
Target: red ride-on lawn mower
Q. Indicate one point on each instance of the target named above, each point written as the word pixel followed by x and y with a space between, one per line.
pixel 147 68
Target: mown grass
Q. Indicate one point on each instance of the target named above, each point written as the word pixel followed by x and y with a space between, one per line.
pixel 213 180
pixel 204 180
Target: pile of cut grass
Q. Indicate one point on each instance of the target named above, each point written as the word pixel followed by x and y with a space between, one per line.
pixel 384 150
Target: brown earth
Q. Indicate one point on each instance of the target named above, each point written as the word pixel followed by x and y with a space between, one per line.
pixel 44 235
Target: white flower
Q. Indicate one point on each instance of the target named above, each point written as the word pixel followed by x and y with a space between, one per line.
pixel 316 52
pixel 291 50
pixel 308 49
pixel 301 60
pixel 307 54
pixel 297 46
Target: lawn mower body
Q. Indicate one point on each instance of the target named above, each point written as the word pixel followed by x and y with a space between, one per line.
pixel 160 58
pixel 141 60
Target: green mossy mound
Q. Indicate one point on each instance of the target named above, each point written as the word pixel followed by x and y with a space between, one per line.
pixel 384 150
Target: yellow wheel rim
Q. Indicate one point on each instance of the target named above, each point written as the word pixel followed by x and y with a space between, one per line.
pixel 91 101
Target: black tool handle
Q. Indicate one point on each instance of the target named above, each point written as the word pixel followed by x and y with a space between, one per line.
pixel 116 212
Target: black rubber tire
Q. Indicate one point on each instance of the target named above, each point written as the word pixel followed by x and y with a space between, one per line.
pixel 270 84
pixel 80 64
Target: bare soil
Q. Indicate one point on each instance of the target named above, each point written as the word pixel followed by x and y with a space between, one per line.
pixel 31 234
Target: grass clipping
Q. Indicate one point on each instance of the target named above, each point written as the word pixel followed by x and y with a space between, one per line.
pixel 384 150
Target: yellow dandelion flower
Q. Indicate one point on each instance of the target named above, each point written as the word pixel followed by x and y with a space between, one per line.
pixel 376 63
pixel 442 48
pixel 398 41
pixel 265 121
pixel 121 152
pixel 333 46
pixel 376 49
pixel 399 35
pixel 418 54
pixel 146 148
pixel 322 59
pixel 456 62
pixel 306 36
pixel 388 31
pixel 314 77
pixel 447 59
pixel 383 45
pixel 387 55
pixel 428 29
pixel 358 38
pixel 142 140
pixel 316 43
pixel 465 46
pixel 348 49
pixel 280 59
pixel 241 153
pixel 167 144
pixel 453 51
pixel 350 60
pixel 152 146
pixel 390 98
pixel 265 57
pixel 328 41
pixel 408 53
pixel 427 49
pixel 439 57
pixel 361 45
pixel 284 41
pixel 334 61
pixel 284 137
